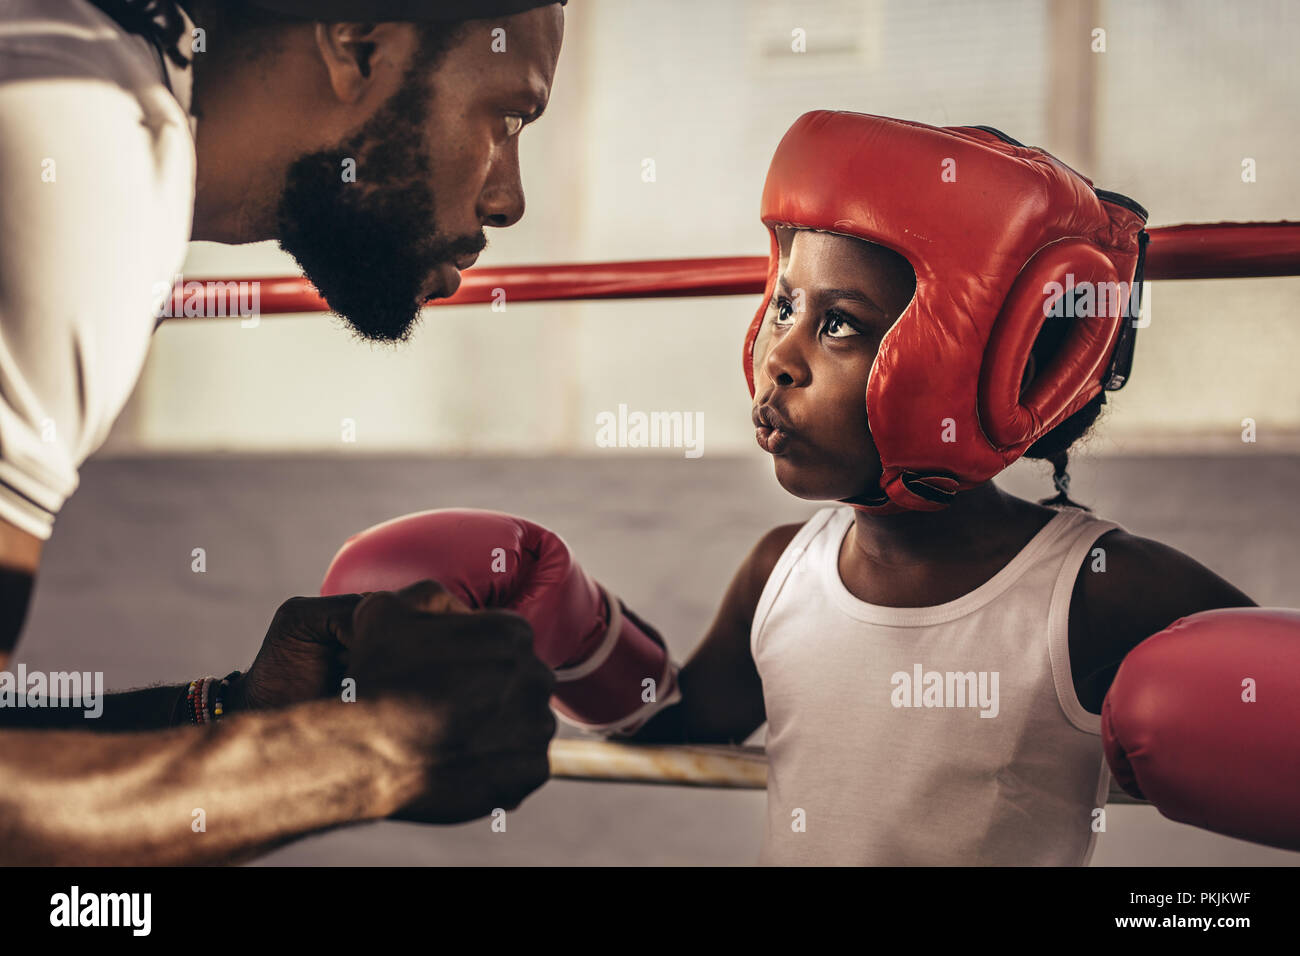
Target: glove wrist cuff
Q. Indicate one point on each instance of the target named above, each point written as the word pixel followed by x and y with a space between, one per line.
pixel 598 657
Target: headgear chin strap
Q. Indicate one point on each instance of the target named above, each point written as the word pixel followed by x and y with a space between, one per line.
pixel 387 10
pixel 1003 238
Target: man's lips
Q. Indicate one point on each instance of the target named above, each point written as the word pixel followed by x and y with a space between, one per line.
pixel 773 431
pixel 448 275
pixel 445 282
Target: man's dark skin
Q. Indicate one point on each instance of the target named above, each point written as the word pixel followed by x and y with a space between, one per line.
pixel 451 718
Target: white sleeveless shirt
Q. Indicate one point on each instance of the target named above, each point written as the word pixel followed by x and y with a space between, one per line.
pixel 947 735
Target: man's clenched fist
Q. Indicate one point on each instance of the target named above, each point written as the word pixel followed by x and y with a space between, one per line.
pixel 301 657
pixel 475 715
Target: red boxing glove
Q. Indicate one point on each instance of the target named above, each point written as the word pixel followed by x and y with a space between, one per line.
pixel 612 674
pixel 1203 720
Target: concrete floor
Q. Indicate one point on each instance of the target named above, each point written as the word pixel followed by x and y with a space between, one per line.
pixel 117 594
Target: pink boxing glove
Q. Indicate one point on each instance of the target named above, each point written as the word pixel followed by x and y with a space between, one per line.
pixel 612 674
pixel 1203 720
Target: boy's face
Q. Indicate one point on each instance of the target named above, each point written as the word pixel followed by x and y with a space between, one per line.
pixel 835 299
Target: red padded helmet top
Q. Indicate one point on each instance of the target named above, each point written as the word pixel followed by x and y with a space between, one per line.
pixel 999 235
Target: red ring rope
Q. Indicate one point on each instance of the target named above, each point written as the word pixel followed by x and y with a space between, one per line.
pixel 1224 250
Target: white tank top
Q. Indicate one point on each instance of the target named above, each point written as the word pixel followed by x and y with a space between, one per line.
pixel 947 735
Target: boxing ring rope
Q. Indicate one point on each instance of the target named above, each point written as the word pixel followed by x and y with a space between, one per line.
pixel 1223 250
pixel 696 765
pixel 718 766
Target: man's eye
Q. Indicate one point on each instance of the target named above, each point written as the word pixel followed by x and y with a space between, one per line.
pixel 514 124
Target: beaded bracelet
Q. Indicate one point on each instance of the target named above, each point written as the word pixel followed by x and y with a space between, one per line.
pixel 219 699
pixel 205 699
pixel 192 700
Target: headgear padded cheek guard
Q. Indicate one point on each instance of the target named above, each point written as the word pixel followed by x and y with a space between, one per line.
pixel 999 235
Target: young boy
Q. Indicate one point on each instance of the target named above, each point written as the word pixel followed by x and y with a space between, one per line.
pixel 931 653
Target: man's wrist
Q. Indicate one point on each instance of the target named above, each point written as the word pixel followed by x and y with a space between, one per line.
pixel 148 708
pixel 178 716
pixel 236 693
pixel 398 734
pixel 207 699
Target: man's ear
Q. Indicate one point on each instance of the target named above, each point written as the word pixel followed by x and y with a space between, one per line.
pixel 352 51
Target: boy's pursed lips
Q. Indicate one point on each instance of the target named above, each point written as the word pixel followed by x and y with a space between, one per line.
pixel 773 428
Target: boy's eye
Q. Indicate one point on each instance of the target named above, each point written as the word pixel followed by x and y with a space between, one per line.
pixel 514 123
pixel 837 327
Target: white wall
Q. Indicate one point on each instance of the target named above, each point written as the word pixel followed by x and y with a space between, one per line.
pixel 705 89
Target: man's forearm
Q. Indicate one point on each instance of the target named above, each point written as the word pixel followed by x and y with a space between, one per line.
pixel 202 794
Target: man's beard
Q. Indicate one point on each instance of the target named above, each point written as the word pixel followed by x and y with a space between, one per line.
pixel 370 246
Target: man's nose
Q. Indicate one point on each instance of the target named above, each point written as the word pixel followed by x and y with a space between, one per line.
pixel 501 203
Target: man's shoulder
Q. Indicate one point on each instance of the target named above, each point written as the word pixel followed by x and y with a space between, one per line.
pixel 73 39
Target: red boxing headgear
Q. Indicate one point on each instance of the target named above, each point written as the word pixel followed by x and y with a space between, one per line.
pixel 1001 236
